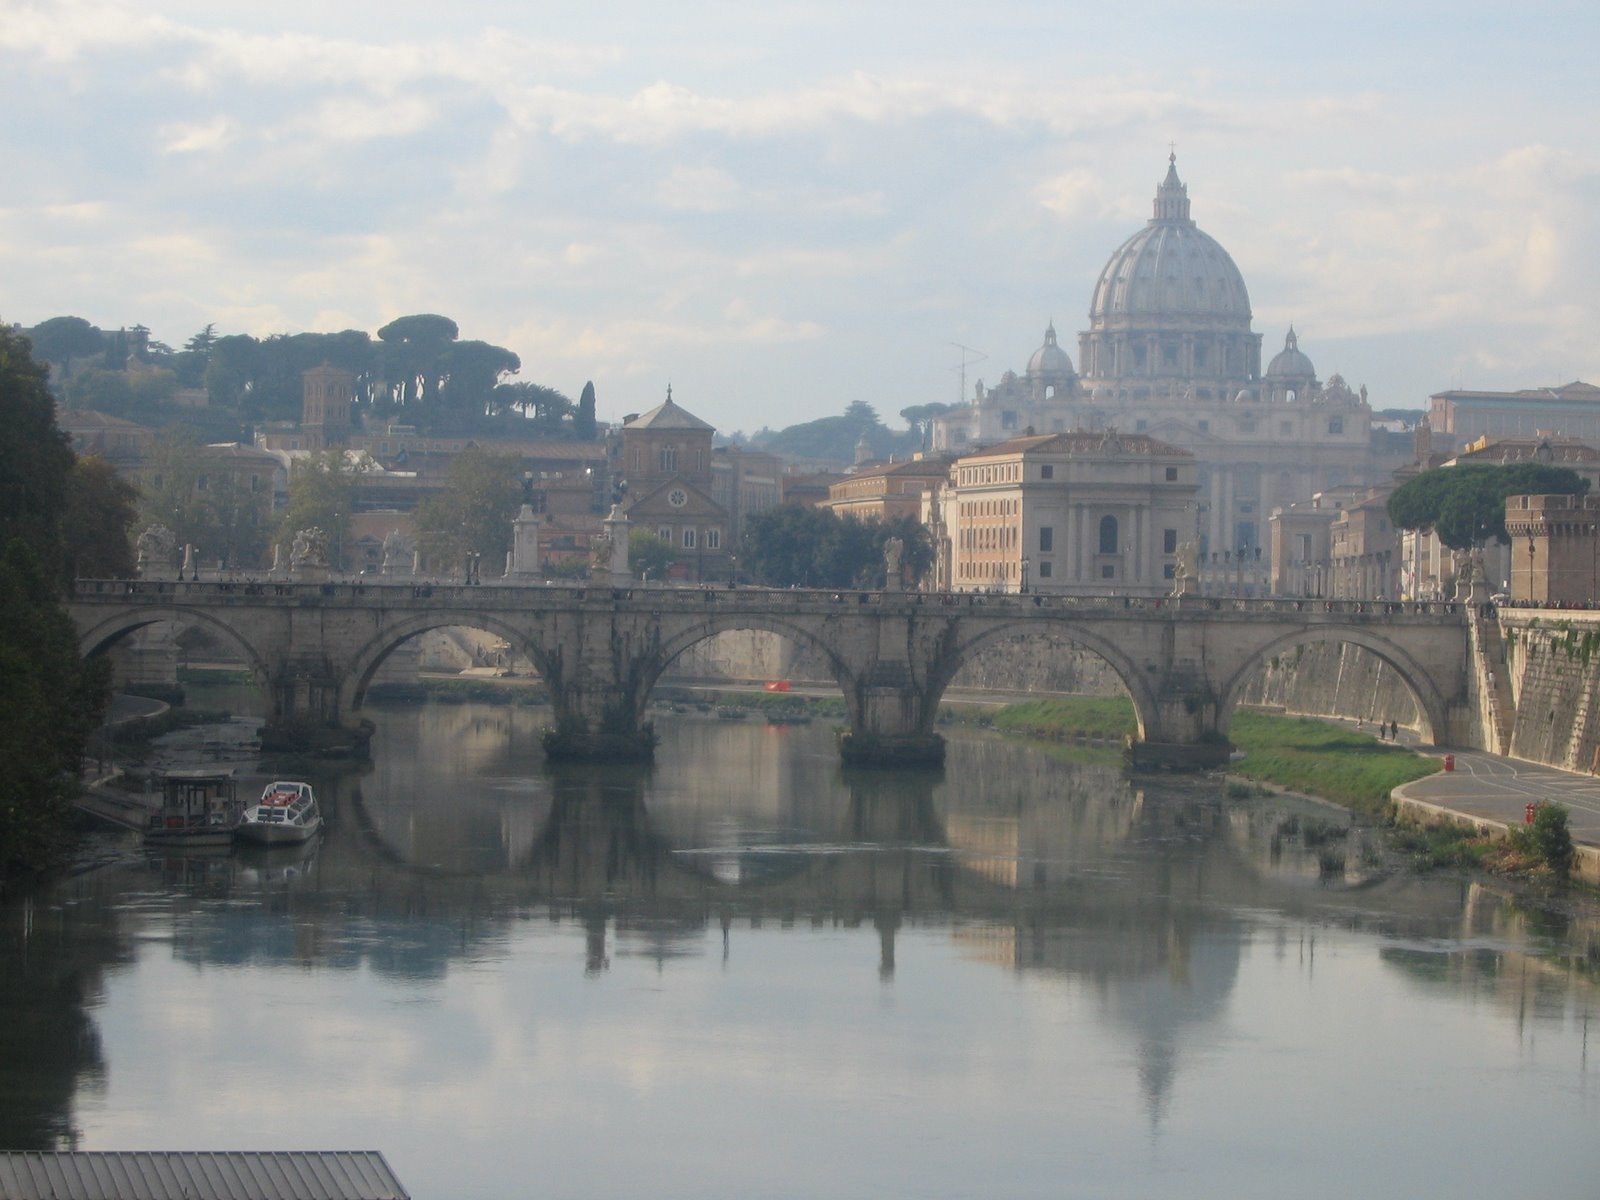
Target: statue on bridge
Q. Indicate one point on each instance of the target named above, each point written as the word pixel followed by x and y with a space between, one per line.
pixel 156 546
pixel 309 551
pixel 398 558
pixel 1186 572
pixel 894 550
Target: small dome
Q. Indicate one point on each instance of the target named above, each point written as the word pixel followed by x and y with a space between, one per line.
pixel 1050 359
pixel 1289 363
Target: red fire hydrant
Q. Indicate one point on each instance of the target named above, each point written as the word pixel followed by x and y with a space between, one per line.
pixel 1527 813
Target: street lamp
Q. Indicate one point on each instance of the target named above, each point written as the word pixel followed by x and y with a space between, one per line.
pixel 1023 587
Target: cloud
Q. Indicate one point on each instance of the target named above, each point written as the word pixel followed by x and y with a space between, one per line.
pixel 191 138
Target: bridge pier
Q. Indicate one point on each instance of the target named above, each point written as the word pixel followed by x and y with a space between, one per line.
pixel 1180 732
pixel 597 724
pixel 306 716
pixel 891 723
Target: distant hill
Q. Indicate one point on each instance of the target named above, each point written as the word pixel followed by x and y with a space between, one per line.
pixel 833 439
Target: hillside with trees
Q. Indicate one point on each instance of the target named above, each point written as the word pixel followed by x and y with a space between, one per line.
pixel 1466 505
pixel 416 370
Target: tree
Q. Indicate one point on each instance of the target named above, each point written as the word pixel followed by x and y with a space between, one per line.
pixel 584 426
pixel 35 456
pixel 469 372
pixel 52 698
pixel 649 556
pixel 169 492
pixel 60 340
pixel 321 496
pixel 473 514
pixel 413 347
pixel 1466 505
pixel 919 417
pixel 790 546
pixel 100 509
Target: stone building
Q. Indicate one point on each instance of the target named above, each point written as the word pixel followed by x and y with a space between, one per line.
pixel 1170 353
pixel 1555 549
pixel 667 467
pixel 1089 512
pixel 1460 417
pixel 882 491
pixel 326 398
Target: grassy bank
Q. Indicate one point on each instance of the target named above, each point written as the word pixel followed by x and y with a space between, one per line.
pixel 1320 759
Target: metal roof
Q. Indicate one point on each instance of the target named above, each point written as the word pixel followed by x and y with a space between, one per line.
pixel 199 1175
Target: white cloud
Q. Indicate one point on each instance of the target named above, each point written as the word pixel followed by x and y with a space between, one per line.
pixel 192 138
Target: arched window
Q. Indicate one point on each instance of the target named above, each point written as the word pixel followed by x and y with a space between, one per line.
pixel 1108 535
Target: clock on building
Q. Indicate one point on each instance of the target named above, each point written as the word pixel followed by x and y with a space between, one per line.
pixel 677 497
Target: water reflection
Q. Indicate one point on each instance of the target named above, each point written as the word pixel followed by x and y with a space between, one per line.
pixel 1134 906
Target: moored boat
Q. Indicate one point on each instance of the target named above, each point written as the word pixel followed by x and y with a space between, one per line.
pixel 198 808
pixel 286 814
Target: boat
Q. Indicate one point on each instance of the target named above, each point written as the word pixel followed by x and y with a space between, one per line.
pixel 199 807
pixel 286 815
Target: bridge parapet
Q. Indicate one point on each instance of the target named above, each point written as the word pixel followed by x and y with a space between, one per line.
pixel 315 645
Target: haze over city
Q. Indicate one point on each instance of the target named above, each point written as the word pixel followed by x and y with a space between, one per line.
pixel 783 209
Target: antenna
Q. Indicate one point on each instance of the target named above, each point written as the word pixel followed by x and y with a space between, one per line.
pixel 961 396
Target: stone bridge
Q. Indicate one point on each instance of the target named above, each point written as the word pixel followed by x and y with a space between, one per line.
pixel 314 648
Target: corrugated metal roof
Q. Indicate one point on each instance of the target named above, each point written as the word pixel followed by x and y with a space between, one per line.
pixel 199 1175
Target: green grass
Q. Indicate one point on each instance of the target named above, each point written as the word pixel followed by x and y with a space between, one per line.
pixel 1320 759
pixel 1108 717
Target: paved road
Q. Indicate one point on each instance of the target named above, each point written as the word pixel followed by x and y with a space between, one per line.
pixel 1486 785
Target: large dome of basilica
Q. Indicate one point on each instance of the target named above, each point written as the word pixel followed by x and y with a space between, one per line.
pixel 1170 313
pixel 1171 268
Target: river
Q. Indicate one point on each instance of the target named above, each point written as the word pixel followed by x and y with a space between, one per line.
pixel 747 972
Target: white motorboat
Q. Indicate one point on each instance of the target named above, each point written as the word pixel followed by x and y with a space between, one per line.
pixel 286 814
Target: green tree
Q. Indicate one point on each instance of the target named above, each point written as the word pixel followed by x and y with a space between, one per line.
pixel 1466 505
pixel 474 512
pixel 35 456
pixel 584 425
pixel 919 417
pixel 469 373
pixel 791 546
pixel 412 353
pixel 649 556
pixel 321 496
pixel 52 698
pixel 61 340
pixel 100 509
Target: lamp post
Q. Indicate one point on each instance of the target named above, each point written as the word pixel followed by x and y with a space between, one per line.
pixel 733 570
pixel 1023 586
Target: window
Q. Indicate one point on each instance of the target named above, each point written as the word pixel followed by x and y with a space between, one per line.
pixel 1169 541
pixel 1138 356
pixel 1108 572
pixel 1139 425
pixel 1335 424
pixel 1247 425
pixel 1047 471
pixel 688 539
pixel 200 483
pixel 1047 539
pixel 713 539
pixel 1172 474
pixel 1169 356
pixel 1205 426
pixel 1045 570
pixel 1169 571
pixel 1200 358
pixel 665 534
pixel 668 457
pixel 1008 420
pixel 1108 535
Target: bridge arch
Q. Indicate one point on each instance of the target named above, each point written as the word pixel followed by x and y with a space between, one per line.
pixel 364 663
pixel 1431 702
pixel 702 628
pixel 1127 672
pixel 103 635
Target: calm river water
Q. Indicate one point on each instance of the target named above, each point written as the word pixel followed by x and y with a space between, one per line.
pixel 749 973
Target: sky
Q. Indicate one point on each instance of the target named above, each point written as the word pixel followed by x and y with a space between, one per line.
pixel 779 208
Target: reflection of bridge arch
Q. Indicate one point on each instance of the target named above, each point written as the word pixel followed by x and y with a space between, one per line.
pixel 365 662
pixel 716 623
pixel 101 637
pixel 1430 703
pixel 1129 675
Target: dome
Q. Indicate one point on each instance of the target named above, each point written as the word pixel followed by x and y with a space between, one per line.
pixel 1049 359
pixel 1289 363
pixel 1171 268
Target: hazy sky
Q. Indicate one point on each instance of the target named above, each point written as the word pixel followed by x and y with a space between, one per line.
pixel 783 207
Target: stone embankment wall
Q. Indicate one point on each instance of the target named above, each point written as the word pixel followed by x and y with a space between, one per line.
pixel 1334 679
pixel 1553 664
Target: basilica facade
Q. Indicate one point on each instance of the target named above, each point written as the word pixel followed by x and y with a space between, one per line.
pixel 1170 353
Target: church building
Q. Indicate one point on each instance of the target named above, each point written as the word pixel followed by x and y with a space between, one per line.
pixel 667 466
pixel 1170 353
